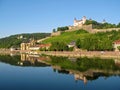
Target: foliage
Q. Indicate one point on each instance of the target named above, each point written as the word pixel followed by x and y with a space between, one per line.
pixel 67 37
pixel 93 42
pixel 118 47
pixel 98 25
pixel 13 40
pixel 84 64
pixel 62 28
pixel 99 41
pixel 78 43
pixel 14 60
pixel 59 46
pixel 54 30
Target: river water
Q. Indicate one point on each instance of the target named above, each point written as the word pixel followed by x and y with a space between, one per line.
pixel 33 72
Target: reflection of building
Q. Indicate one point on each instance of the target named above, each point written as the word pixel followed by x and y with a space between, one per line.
pixel 116 45
pixel 77 76
pixel 80 77
pixel 33 58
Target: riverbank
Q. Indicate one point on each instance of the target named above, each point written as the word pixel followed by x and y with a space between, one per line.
pixel 101 54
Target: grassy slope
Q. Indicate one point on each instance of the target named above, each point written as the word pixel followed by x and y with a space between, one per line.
pixel 67 36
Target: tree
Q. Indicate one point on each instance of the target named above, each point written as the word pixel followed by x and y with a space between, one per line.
pixel 78 43
pixel 62 28
pixel 118 25
pixel 118 48
pixel 54 30
pixel 59 46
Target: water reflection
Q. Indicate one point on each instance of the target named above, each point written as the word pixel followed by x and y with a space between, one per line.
pixel 24 60
pixel 84 69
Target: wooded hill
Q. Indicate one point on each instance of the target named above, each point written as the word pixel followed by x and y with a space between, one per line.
pixel 16 40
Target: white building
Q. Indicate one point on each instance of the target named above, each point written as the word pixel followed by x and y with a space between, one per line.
pixel 79 22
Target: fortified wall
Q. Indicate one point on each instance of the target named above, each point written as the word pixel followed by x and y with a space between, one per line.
pixel 85 27
pixel 105 30
pixel 56 33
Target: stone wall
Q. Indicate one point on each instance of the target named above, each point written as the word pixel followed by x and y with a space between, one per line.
pixel 105 30
pixel 56 33
pixel 85 27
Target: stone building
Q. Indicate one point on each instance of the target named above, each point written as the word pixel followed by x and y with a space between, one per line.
pixel 79 22
pixel 26 45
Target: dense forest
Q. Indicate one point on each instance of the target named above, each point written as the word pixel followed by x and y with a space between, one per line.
pixel 16 40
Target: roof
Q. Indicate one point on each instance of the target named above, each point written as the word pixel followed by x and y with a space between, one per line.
pixel 117 42
pixel 45 45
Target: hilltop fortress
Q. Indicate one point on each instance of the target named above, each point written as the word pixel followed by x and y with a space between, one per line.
pixel 80 24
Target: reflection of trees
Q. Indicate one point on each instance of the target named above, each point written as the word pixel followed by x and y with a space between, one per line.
pixel 23 60
pixel 9 59
pixel 82 68
pixel 86 68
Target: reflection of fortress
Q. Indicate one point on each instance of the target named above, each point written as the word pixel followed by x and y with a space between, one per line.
pixel 87 75
pixel 77 76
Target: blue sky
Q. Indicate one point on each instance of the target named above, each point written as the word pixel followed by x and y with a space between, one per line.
pixel 29 16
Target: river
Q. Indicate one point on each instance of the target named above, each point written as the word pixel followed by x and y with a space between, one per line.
pixel 34 72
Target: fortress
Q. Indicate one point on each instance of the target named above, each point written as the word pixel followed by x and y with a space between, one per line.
pixel 80 24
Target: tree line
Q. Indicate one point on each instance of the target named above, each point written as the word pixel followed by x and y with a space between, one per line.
pixel 105 25
pixel 61 29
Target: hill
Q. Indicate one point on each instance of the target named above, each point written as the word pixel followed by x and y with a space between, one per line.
pixel 16 40
pixel 84 40
pixel 67 37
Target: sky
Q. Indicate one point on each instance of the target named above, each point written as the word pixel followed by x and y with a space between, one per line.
pixel 36 16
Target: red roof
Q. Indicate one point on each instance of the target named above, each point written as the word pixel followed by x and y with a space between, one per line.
pixel 117 42
pixel 44 45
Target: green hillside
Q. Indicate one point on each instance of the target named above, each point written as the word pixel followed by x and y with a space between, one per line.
pixel 84 40
pixel 67 37
pixel 15 40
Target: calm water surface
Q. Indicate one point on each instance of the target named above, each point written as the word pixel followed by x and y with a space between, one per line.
pixel 45 73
